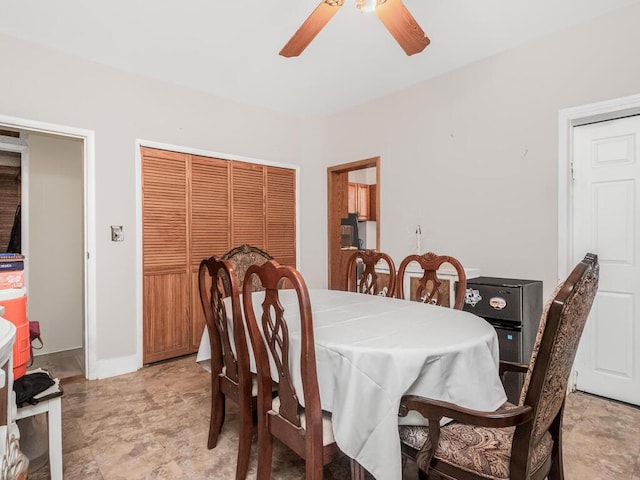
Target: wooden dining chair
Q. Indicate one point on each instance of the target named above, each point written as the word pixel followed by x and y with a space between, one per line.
pixel 242 257
pixel 430 288
pixel 371 282
pixel 230 375
pixel 307 431
pixel 514 442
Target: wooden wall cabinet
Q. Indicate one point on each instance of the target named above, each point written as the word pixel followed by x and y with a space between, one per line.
pixel 359 198
pixel 352 198
pixel 373 208
pixel 194 207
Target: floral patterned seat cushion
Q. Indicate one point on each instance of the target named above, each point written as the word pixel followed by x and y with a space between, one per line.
pixel 480 450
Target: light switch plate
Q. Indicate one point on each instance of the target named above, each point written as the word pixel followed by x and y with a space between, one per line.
pixel 116 233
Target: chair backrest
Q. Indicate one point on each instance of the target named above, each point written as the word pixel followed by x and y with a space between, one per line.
pixel 559 333
pixel 217 281
pixel 371 282
pixel 432 289
pixel 269 332
pixel 243 257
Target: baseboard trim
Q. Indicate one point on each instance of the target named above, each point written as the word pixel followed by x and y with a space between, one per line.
pixel 117 366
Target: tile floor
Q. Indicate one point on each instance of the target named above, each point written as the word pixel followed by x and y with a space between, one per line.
pixel 69 363
pixel 153 424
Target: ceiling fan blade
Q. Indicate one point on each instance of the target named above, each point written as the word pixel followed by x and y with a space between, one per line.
pixel 401 24
pixel 309 29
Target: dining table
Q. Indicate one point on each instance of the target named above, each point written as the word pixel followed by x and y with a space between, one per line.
pixel 372 350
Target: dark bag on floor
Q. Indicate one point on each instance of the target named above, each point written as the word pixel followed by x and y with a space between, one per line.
pixel 30 385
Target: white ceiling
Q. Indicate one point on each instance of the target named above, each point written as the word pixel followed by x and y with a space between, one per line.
pixel 229 48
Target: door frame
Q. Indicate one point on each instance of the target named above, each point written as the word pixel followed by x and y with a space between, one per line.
pixel 569 118
pixel 90 281
pixel 337 205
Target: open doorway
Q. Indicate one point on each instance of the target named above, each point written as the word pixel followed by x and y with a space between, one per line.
pixel 353 202
pixel 51 236
pixel 10 195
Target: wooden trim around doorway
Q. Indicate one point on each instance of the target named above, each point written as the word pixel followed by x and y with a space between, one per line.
pixel 337 205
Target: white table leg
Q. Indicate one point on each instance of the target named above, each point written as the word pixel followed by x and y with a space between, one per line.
pixel 55 438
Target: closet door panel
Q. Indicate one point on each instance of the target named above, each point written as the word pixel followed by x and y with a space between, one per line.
pixel 166 286
pixel 164 210
pixel 166 313
pixel 281 214
pixel 210 231
pixel 248 205
pixel 210 214
pixel 197 315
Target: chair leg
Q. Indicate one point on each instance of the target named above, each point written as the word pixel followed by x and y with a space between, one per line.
pixel 244 441
pixel 217 417
pixel 265 455
pixel 557 470
pixel 313 472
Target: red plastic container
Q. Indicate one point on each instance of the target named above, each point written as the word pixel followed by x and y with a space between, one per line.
pixel 16 313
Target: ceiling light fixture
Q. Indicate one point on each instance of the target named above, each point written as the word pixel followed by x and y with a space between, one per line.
pixel 368 5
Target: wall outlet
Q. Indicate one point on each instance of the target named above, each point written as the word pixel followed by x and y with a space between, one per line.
pixel 116 233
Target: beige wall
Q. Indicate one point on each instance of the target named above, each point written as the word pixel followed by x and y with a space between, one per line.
pixel 472 156
pixel 56 236
pixel 47 86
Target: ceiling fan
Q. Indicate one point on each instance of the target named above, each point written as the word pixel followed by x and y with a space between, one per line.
pixel 392 13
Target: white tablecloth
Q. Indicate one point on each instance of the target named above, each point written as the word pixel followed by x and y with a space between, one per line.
pixel 371 350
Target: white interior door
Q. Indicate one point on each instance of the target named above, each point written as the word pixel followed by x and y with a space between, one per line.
pixel 606 206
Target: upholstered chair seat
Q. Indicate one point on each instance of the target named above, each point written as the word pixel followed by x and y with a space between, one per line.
pixel 327 426
pixel 480 450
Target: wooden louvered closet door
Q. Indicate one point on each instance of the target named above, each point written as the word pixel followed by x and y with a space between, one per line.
pixel 165 252
pixel 195 207
pixel 210 221
pixel 248 206
pixel 281 214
